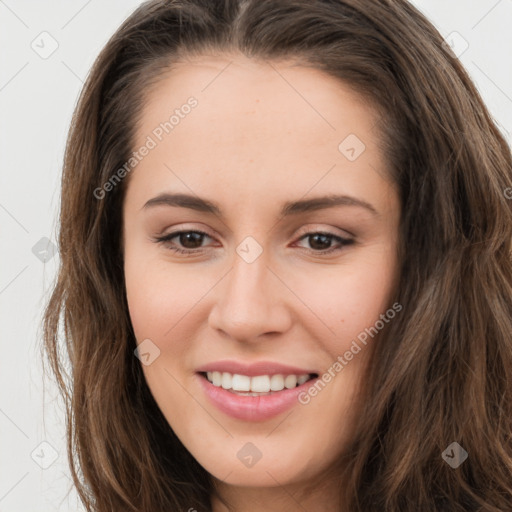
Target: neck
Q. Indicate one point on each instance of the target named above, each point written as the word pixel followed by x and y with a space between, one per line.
pixel 281 498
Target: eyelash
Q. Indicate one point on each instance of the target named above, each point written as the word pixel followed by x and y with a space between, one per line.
pixel 167 238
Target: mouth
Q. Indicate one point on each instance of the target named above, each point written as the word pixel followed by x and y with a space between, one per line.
pixel 254 398
pixel 258 385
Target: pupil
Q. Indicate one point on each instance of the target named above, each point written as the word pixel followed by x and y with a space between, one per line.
pixel 187 237
pixel 326 243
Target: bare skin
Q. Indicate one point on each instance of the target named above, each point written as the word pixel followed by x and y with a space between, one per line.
pixel 261 135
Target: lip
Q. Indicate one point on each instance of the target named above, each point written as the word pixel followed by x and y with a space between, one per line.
pixel 253 369
pixel 253 408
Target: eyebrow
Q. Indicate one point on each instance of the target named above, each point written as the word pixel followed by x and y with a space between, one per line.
pixel 289 208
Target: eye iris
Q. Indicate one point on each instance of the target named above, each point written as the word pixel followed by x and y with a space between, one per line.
pixel 191 236
pixel 326 241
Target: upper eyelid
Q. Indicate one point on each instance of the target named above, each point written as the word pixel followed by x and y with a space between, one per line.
pixel 328 231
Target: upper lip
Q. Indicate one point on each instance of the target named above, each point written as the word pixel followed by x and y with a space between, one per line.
pixel 253 369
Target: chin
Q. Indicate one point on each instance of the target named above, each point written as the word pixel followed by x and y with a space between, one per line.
pixel 239 465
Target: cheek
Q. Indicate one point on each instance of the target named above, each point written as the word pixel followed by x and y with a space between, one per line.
pixel 147 301
pixel 346 299
pixel 158 295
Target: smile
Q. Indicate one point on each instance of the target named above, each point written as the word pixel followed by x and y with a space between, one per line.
pixel 246 385
pixel 254 397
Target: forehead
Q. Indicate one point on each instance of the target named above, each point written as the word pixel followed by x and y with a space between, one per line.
pixel 237 89
pixel 255 124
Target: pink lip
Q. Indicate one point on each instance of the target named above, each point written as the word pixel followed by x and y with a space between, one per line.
pixel 253 408
pixel 253 369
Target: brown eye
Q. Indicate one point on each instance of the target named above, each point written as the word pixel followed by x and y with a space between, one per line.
pixel 321 242
pixel 190 241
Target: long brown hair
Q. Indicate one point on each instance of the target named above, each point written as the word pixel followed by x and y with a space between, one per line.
pixel 442 370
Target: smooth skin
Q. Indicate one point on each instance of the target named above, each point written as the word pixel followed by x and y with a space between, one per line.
pixel 262 134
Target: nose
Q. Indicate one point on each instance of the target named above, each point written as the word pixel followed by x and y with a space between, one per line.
pixel 250 301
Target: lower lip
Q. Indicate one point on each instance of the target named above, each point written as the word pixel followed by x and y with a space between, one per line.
pixel 253 408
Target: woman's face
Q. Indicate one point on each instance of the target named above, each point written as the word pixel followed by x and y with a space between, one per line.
pixel 281 283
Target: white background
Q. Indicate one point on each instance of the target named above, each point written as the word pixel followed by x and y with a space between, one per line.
pixel 37 98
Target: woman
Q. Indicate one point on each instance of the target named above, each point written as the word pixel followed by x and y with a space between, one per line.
pixel 286 275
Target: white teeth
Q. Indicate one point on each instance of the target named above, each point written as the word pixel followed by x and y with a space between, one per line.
pixel 241 383
pixel 227 380
pixel 216 379
pixel 290 381
pixel 276 382
pixel 302 379
pixel 258 384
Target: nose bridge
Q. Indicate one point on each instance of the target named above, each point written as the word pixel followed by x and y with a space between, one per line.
pixel 249 301
pixel 247 291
